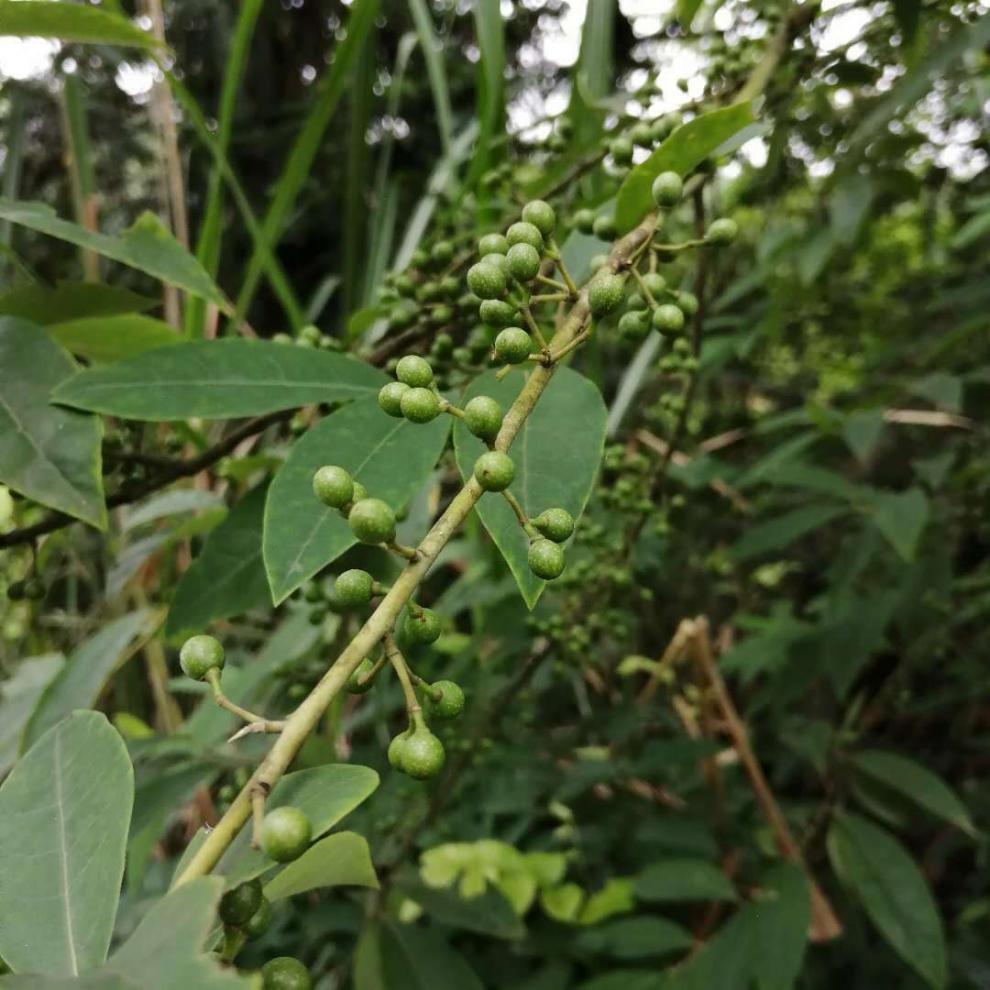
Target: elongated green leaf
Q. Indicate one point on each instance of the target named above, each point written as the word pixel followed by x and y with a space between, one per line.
pixel 339 860
pixel 228 577
pixel 684 880
pixel 19 695
pixel 390 457
pixel 48 454
pixel 636 938
pixel 901 517
pixel 70 22
pixel 80 681
pixel 432 50
pixel 488 913
pixel 871 862
pixel 112 338
pixel 146 245
pixel 685 149
pixel 64 812
pixel 548 473
pixel 69 300
pixel 775 534
pixel 595 71
pixel 917 783
pixel 390 956
pixel 489 29
pixel 219 379
pixel 778 927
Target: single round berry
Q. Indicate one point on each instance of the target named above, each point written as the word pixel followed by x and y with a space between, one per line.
pixel 360 492
pixel 414 371
pixel 285 973
pixel 605 228
pixel 667 189
pixel 605 294
pixel 353 587
pixel 372 521
pixel 497 312
pixel 654 283
pixel 285 834
pixel 390 396
pixel 441 254
pixel 584 221
pixel 362 670
pixel 199 655
pixel 668 318
pixel 429 292
pixel 540 215
pixel 546 559
pixel 34 589
pixel 494 471
pixel 513 345
pixel 422 755
pixel 621 150
pixel 333 486
pixel 523 261
pixel 598 261
pixel 492 244
pixel 555 524
pixel 635 301
pixel 420 405
pixel 239 904
pixel 423 626
pixel 722 231
pixel 641 134
pixel 483 417
pixel 396 750
pixel 634 325
pixel 687 302
pixel 260 921
pixel 451 702
pixel 404 285
pixel 525 233
pixel 403 315
pixel 486 281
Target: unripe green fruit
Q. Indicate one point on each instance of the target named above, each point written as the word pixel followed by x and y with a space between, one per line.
pixel 555 524
pixel 396 748
pixel 414 371
pixel 403 315
pixel 687 302
pixel 540 215
pixel 722 231
pixel 363 669
pixel 641 134
pixel 494 471
pixel 450 286
pixel 584 221
pixel 442 254
pixel 310 333
pixel 360 492
pixel 353 587
pixel 492 244
pixel 605 229
pixel 634 325
pixel 260 921
pixel 390 396
pixel 499 261
pixel 282 338
pixel 605 294
pixel 199 655
pixel 525 233
pixel 497 313
pixel 486 281
pixel 523 261
pixel 546 559
pixel 654 283
pixel 404 285
pixel 428 292
pixel 423 755
pixel 451 702
pixel 462 356
pixel 333 486
pixel 668 318
pixel 635 302
pixel 513 345
pixel 239 904
pixel 372 521
pixel 440 315
pixel 423 626
pixel 443 344
pixel 420 258
pixel 483 417
pixel 621 150
pixel 420 405
pixel 285 973
pixel 285 834
pixel 667 189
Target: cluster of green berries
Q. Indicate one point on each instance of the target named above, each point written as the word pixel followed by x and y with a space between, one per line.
pixel 371 520
pixel 245 909
pixel 310 336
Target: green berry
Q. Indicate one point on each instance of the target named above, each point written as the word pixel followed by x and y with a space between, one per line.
pixel 239 904
pixel 634 325
pixel 333 486
pixel 404 285
pixel 483 417
pixel 442 254
pixel 310 334
pixel 584 221
pixel 668 318
pixel 451 702
pixel 598 261
pixel 396 750
pixel 282 338
pixel 540 215
pixel 555 524
pixel 403 315
pixel 422 755
pixel 605 229
pixel 260 921
pixel 492 244
pixel 635 301
pixel 654 283
pixel 372 521
pixel 353 587
pixel 199 655
pixel 360 492
pixel 494 471
pixel 363 669
pixel 499 261
pixel 423 626
pixel 390 396
pixel 443 344
pixel 605 293
pixel 525 233
pixel 722 231
pixel 621 150
pixel 428 292
pixel 497 313
pixel 285 834
pixel 414 371
pixel 513 345
pixel 420 405
pixel 285 973
pixel 523 261
pixel 667 189
pixel 420 258
pixel 641 134
pixel 440 315
pixel 687 302
pixel 546 559
pixel 486 281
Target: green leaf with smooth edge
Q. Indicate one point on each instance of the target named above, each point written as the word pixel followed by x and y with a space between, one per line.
pixel 19 696
pixel 595 71
pixel 635 938
pixel 686 9
pixel 89 666
pixel 147 245
pixel 877 868
pixel 556 455
pixel 901 517
pixel 70 22
pixel 113 338
pixel 685 149
pixel 64 812
pixel 228 576
pixel 628 979
pixel 219 379
pixel 488 914
pixel 48 454
pixel 777 924
pixel 67 300
pixel 390 457
pixel 917 783
pixel 780 532
pixel 684 880
pixel 862 431
pixel 391 955
pixel 339 860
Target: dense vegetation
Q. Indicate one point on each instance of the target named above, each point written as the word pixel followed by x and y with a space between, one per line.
pixel 472 520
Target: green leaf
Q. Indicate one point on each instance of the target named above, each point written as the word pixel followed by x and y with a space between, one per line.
pixel 405 957
pixel 219 379
pixel 44 305
pixel 64 812
pixel 876 867
pixel 19 695
pixel 917 783
pixel 635 938
pixel 617 896
pixel 685 149
pixel 80 682
pixel 390 457
pixel 777 925
pixel 780 532
pixel 684 880
pixel 686 9
pixel 228 577
pixel 112 338
pixel 549 473
pixel 340 860
pixel 70 22
pixel 594 76
pixel 47 454
pixel 562 903
pixel 849 206
pixel 488 914
pixel 901 517
pixel 147 245
pixel 862 431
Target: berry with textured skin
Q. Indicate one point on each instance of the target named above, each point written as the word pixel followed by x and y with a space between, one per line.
pixel 260 921
pixel 667 189
pixel 414 371
pixel 333 486
pixel 494 471
pixel 687 302
pixel 621 150
pixel 199 655
pixel 641 134
pixel 668 318
pixel 239 904
pixel 525 233
pixel 390 396
pixel 540 215
pixel 423 755
pixel 403 315
pixel 451 702
pixel 555 524
pixel 285 834
pixel 513 345
pixel 396 749
pixel 634 325
pixel 353 587
pixel 486 281
pixel 372 521
pixel 363 669
pixel 635 302
pixel 497 313
pixel 493 244
pixel 442 254
pixel 722 231
pixel 285 973
pixel 483 417
pixel 360 492
pixel 420 405
pixel 584 221
pixel 654 283
pixel 423 626
pixel 605 229
pixel 524 262
pixel 499 261
pixel 605 294
pixel 546 559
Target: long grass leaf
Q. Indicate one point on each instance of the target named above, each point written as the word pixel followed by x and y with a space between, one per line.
pixel 435 68
pixel 490 33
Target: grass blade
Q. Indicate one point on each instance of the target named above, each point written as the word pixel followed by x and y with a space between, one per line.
pixel 490 33
pixel 433 53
